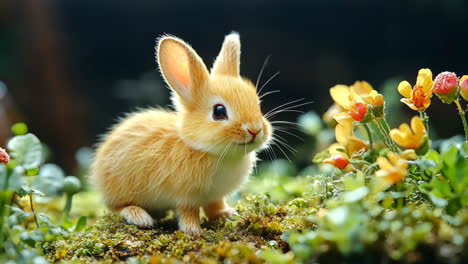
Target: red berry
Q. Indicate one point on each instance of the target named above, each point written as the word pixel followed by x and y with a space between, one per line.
pixel 445 82
pixel 339 161
pixel 4 157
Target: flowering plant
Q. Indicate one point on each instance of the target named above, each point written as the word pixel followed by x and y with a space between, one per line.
pixel 393 188
pixel 390 154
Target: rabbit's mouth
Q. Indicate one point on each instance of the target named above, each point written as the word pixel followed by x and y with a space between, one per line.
pixel 252 142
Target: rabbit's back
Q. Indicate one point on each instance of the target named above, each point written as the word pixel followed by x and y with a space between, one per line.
pixel 143 161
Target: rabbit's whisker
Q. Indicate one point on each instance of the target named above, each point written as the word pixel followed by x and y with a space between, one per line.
pixel 275 143
pixel 284 105
pixel 269 80
pixel 267 93
pixel 281 129
pixel 290 125
pixel 267 59
pixel 287 109
pixel 223 154
pixel 282 141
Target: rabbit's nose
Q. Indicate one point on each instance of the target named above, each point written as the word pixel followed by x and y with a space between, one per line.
pixel 254 132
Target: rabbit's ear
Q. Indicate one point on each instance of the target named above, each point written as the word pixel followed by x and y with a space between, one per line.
pixel 228 60
pixel 180 66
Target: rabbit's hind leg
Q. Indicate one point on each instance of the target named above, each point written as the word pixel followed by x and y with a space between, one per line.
pixel 135 215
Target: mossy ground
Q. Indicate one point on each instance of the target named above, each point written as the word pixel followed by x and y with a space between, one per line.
pixel 259 224
pixel 273 230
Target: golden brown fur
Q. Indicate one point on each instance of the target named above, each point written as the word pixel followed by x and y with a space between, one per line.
pixel 157 159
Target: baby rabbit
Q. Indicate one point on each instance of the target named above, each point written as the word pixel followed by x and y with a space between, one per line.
pixel 188 158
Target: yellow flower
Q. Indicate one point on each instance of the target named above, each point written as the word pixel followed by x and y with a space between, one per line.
pixel 341 94
pixel 351 98
pixel 410 138
pixel 374 98
pixel 409 154
pixel 419 97
pixel 392 168
pixel 346 139
pixel 328 115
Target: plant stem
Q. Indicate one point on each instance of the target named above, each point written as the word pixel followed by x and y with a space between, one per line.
pixel 462 115
pixel 385 125
pixel 67 208
pixel 388 140
pixel 32 209
pixel 369 135
pixel 400 200
pixel 387 129
pixel 425 118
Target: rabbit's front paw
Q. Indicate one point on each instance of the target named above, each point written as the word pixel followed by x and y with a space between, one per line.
pixel 135 215
pixel 226 213
pixel 219 209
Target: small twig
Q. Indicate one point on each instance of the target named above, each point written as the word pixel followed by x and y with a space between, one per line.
pixel 32 209
pixel 462 115
pixel 369 135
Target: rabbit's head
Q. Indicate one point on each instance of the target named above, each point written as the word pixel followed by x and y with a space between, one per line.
pixel 219 111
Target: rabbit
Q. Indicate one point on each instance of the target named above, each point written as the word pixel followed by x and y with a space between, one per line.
pixel 191 157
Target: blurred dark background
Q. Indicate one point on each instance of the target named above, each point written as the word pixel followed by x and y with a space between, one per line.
pixel 72 67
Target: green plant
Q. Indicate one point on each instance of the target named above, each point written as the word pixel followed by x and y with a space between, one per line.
pixel 25 181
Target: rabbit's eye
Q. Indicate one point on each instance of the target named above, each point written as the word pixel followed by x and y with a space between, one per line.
pixel 219 112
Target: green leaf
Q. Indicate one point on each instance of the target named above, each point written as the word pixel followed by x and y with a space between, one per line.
pixel 465 149
pixel 355 195
pixel 425 164
pixel 19 213
pixel 455 167
pixel 49 180
pixel 54 229
pixel 19 129
pixel 439 202
pixel 26 150
pixel 319 157
pixel 338 215
pixel 442 188
pixel 450 156
pixel 24 190
pixel 80 224
pixel 453 206
pixel 435 157
pixel 298 202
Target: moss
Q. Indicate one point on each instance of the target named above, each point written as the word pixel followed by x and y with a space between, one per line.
pixel 260 224
pixel 328 224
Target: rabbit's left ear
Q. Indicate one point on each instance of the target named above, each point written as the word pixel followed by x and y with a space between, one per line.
pixel 228 60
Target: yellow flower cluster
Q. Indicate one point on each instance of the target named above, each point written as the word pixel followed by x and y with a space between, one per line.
pixel 359 104
pixel 352 103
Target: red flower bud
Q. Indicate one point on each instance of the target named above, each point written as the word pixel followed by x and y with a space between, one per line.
pixel 445 82
pixel 4 157
pixel 446 86
pixel 338 161
pixel 358 111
